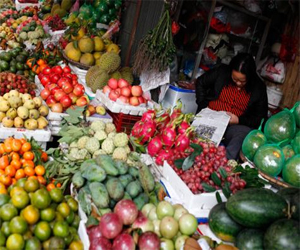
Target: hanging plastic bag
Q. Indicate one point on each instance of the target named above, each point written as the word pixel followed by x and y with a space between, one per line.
pixel 273 69
pixel 296 113
pixel 252 142
pixel 296 143
pixel 291 171
pixel 288 151
pixel 269 158
pixel 281 127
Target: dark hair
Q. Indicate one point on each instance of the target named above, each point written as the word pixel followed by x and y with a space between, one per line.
pixel 245 64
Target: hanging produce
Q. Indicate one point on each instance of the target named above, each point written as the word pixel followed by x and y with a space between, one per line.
pixel 156 50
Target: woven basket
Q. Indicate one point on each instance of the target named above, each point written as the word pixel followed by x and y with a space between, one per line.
pixel 274 181
pixel 77 64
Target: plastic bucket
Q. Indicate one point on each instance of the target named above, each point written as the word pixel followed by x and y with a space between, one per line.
pixel 274 97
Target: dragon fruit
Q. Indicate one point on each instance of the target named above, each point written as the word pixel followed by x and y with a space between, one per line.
pixel 163 155
pixel 183 140
pixel 169 135
pixel 154 146
pixel 183 127
pixel 148 116
pixel 137 129
pixel 148 131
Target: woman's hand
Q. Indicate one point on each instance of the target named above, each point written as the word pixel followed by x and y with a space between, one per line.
pixel 233 118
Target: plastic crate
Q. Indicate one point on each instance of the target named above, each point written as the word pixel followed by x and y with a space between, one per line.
pixel 123 122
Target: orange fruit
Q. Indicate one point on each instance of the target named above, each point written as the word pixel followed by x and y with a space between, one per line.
pixel 50 186
pixel 58 185
pixel 23 140
pixel 32 177
pixel 44 156
pixel 42 180
pixel 16 164
pixel 10 171
pixel 16 145
pixel 31 185
pixel 2 148
pixel 26 147
pixel 31 214
pixel 28 155
pixel 14 181
pixel 15 241
pixel 20 173
pixel 6 180
pixel 2 172
pixel 29 171
pixel 28 163
pixel 15 156
pixel 40 170
pixel 4 162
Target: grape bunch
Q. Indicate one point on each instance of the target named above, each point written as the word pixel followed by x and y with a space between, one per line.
pixel 201 177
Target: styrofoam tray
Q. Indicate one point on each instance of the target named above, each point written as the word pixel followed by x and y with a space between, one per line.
pixel 41 135
pixel 56 35
pixel 20 6
pixel 119 108
pixel 83 235
pixel 199 204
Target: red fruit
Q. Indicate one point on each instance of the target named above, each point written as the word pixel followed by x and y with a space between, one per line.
pixel 67 87
pixel 148 115
pixel 182 142
pixel 66 101
pixel 44 94
pixel 68 75
pixel 91 109
pixel 46 71
pixel 125 91
pixel 137 129
pixel 114 95
pixel 122 83
pixel 136 90
pixel 66 69
pixel 64 80
pixel 73 97
pixel 148 131
pixel 57 70
pixel 74 77
pixel 141 99
pixel 183 127
pixel 54 78
pixel 57 108
pixel 50 100
pixel 163 155
pixel 113 83
pixel 44 80
pixel 82 101
pixel 154 146
pixel 59 94
pixel 106 89
pixel 78 90
pixel 110 225
pixel 134 101
pixel 53 90
pixel 124 99
pixel 168 136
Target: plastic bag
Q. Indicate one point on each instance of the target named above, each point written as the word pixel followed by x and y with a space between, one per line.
pixel 296 113
pixel 281 127
pixel 296 143
pixel 269 158
pixel 288 151
pixel 273 69
pixel 252 142
pixel 291 171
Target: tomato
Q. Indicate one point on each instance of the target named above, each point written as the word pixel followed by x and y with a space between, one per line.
pixel 66 69
pixel 57 70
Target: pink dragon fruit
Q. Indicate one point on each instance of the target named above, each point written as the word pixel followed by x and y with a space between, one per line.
pixel 163 155
pixel 183 127
pixel 137 129
pixel 154 146
pixel 148 131
pixel 148 116
pixel 169 135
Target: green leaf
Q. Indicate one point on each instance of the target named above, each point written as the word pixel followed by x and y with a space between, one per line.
pixel 197 148
pixel 50 151
pixel 92 221
pixel 226 190
pixel 188 163
pixel 218 197
pixel 223 172
pixel 179 162
pixel 216 179
pixel 208 188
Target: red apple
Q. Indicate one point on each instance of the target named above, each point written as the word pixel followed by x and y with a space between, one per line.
pixel 57 108
pixel 125 91
pixel 46 70
pixel 78 90
pixel 124 99
pixel 59 94
pixel 74 77
pixel 45 93
pixel 57 70
pixel 113 83
pixel 50 100
pixel 54 78
pixel 122 83
pixel 73 97
pixel 54 90
pixel 134 101
pixel 136 90
pixel 66 69
pixel 142 99
pixel 62 81
pixel 67 87
pixel 106 89
pixel 82 101
pixel 51 86
pixel 66 101
pixel 91 109
pixel 114 95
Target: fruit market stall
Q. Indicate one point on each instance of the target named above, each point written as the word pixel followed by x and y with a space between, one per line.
pixel 89 161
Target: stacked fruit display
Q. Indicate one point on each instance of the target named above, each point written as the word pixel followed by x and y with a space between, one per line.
pixel 277 150
pixel 164 226
pixel 22 110
pixel 21 158
pixel 246 219
pixel 6 4
pixel 98 76
pixel 61 88
pixel 10 81
pixel 55 23
pixel 121 90
pixel 14 61
pixel 14 23
pixel 8 38
pixel 33 218
pixel 6 14
pixel 89 51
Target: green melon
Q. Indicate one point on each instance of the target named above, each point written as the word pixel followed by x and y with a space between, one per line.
pixel 252 142
pixel 250 239
pixel 291 171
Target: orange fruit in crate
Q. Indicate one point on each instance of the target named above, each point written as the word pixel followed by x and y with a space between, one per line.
pixel 26 147
pixel 28 163
pixel 28 155
pixel 10 171
pixel 20 173
pixel 40 170
pixel 16 164
pixel 29 171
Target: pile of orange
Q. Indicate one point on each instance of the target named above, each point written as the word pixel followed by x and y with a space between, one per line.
pixel 17 161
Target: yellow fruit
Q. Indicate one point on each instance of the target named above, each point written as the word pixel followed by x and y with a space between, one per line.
pixel 97 55
pixel 113 48
pixel 86 44
pixel 99 44
pixel 80 34
pixel 72 52
pixel 87 59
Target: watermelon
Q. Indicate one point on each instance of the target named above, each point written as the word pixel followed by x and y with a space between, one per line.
pixel 288 151
pixel 283 234
pixel 252 142
pixel 256 207
pixel 291 171
pixel 288 193
pixel 296 143
pixel 280 127
pixel 269 159
pixel 220 223
pixel 250 239
pixel 295 206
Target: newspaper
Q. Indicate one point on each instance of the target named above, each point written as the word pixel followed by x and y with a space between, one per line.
pixel 211 124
